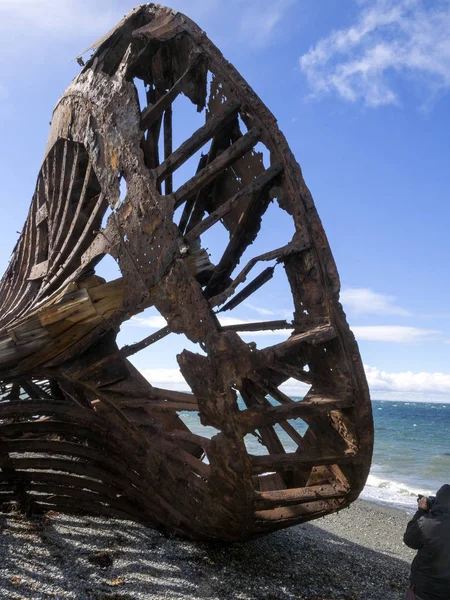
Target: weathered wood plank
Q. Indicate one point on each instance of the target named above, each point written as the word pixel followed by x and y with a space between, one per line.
pixel 292 513
pixel 249 289
pixel 154 111
pixel 265 500
pixel 74 307
pixel 145 343
pixel 253 419
pixel 39 271
pixel 290 461
pixel 259 326
pixel 214 124
pixel 41 214
pixel 168 150
pixel 214 168
pixel 315 336
pixel 240 196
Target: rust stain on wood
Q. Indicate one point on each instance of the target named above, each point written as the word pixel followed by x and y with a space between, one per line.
pixel 81 429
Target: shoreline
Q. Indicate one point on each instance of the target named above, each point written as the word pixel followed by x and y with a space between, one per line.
pixel 356 554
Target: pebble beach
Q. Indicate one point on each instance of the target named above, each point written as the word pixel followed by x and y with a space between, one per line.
pixel 357 554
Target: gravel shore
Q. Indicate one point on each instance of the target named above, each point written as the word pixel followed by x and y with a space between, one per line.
pixel 356 554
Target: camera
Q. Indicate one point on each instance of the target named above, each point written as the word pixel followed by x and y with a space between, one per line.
pixel 430 500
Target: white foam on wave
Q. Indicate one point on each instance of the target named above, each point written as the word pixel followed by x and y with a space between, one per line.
pixel 394 493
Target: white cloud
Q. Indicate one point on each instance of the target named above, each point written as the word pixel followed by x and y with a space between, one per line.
pixel 169 379
pixel 394 333
pixel 153 322
pixel 292 387
pixel 403 37
pixel 407 382
pixel 404 385
pixel 363 301
pixel 419 387
pixel 173 379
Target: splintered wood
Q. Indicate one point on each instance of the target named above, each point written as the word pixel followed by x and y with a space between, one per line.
pixel 81 429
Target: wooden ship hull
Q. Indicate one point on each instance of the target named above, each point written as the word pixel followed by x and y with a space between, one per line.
pixel 81 429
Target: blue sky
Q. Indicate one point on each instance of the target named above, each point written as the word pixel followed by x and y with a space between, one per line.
pixel 361 91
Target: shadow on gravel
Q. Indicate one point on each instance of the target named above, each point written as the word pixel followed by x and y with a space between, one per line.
pixel 84 558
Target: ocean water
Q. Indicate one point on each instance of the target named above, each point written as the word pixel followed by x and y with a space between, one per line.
pixel 411 452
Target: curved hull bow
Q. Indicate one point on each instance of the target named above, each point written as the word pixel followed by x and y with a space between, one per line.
pixel 81 428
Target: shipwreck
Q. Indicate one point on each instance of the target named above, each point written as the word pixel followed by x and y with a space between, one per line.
pixel 81 429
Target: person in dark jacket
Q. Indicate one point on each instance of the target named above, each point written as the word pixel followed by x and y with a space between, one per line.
pixel 429 533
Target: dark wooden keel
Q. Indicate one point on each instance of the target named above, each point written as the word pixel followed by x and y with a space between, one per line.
pixel 80 428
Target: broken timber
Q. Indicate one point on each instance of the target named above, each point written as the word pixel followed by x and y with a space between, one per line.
pixel 81 430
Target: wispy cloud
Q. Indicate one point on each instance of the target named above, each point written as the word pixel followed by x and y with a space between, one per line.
pixel 260 310
pixel 279 312
pixel 404 37
pixel 363 301
pixel 395 333
pixel 259 20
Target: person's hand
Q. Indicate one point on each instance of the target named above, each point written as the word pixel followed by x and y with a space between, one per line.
pixel 423 503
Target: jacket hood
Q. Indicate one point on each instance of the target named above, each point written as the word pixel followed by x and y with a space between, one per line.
pixel 442 502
